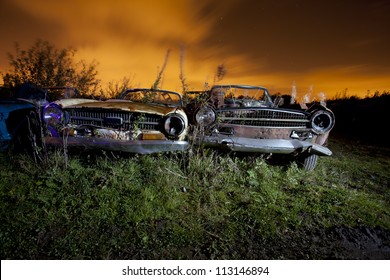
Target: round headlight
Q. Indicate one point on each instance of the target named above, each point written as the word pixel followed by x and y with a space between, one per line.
pixel 174 125
pixel 53 114
pixel 205 116
pixel 322 121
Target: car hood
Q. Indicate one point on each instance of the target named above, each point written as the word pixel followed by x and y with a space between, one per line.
pixel 116 104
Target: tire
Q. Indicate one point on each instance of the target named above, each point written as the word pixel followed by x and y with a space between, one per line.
pixel 308 163
pixel 27 137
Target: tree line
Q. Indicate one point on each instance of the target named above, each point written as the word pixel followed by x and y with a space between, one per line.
pixel 46 66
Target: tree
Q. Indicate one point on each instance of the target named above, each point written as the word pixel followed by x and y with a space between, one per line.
pixel 46 66
pixel 115 88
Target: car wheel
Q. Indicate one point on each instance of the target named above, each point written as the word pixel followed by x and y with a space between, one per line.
pixel 308 163
pixel 28 137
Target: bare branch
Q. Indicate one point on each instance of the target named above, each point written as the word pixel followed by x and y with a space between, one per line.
pixel 160 74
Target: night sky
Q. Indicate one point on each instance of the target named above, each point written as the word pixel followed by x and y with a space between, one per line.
pixel 323 46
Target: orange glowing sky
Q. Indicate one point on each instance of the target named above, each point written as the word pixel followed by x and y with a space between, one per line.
pixel 324 45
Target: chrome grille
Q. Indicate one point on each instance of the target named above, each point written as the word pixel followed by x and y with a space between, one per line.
pixel 114 119
pixel 263 117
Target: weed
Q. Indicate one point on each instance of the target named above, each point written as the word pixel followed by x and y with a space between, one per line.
pixel 194 204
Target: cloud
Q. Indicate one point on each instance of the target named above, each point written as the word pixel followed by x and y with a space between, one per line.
pixel 124 36
pixel 269 43
pixel 89 21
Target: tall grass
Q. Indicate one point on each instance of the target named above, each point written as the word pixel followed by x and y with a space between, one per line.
pixel 189 205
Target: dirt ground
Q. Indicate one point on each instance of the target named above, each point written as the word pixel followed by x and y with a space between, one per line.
pixel 361 243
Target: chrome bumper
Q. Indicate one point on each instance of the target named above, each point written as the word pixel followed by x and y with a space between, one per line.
pixel 274 146
pixel 130 146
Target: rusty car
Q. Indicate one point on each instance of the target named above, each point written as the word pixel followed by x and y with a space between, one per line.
pixel 246 119
pixel 139 121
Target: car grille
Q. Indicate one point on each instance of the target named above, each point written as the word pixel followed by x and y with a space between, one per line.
pixel 114 119
pixel 263 117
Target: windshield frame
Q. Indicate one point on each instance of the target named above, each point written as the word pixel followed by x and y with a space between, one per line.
pixel 225 88
pixel 178 103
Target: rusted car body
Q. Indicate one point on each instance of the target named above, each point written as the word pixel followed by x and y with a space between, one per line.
pixel 243 118
pixel 140 121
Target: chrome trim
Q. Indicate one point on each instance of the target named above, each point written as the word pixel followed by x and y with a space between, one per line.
pixel 133 146
pixel 263 117
pixel 277 146
pixel 97 118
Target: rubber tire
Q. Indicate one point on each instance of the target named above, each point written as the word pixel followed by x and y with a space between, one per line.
pixel 308 163
pixel 27 138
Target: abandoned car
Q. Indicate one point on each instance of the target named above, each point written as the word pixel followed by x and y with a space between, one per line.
pixel 244 118
pixel 140 121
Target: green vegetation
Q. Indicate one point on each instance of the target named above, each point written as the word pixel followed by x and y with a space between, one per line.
pixel 190 205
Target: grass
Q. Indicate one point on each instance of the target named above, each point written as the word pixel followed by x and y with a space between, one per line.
pixel 188 205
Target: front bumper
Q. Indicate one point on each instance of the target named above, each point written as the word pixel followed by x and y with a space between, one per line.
pixel 267 146
pixel 130 146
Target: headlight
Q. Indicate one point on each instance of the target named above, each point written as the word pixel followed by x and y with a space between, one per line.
pixel 205 116
pixel 53 114
pixel 174 125
pixel 322 121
